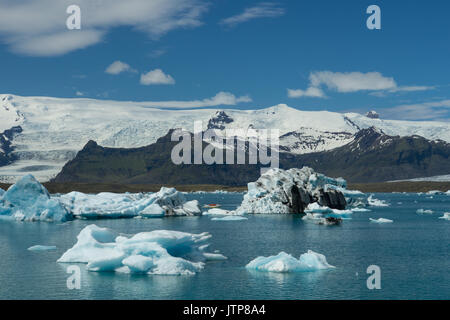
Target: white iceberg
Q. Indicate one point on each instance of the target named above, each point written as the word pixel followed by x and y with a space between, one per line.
pixel 435 192
pixel 230 218
pixel 41 248
pixel 381 220
pixel 446 216
pixel 376 203
pixel 28 200
pixel 217 211
pixel 423 211
pixel 157 252
pixel 166 202
pixel 290 191
pixel 283 262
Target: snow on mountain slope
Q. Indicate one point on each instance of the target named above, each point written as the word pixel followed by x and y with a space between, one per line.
pixel 54 129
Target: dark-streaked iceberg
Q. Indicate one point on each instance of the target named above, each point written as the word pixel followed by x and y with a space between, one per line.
pixel 160 252
pixel 291 191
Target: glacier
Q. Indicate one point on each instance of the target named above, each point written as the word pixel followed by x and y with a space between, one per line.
pixel 283 262
pixel 54 129
pixel 28 200
pixel 291 191
pixel 161 252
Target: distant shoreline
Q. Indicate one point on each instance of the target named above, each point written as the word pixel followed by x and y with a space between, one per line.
pixel 404 186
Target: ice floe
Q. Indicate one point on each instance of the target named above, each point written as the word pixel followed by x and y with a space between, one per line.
pixel 28 200
pixel 41 248
pixel 283 262
pixel 446 216
pixel 230 218
pixel 376 203
pixel 423 211
pixel 217 211
pixel 156 252
pixel 381 220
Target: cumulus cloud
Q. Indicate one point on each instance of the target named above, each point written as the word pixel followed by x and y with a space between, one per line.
pixel 118 67
pixel 156 76
pixel 346 82
pixel 311 92
pixel 221 98
pixel 37 27
pixel 262 10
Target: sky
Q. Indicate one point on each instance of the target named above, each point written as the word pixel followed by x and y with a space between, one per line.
pixel 310 55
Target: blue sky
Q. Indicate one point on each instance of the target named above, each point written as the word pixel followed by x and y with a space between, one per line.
pixel 254 51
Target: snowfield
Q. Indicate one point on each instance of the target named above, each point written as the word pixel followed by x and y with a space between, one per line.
pixel 54 129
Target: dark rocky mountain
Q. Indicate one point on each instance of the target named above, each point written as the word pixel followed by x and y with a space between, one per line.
pixel 371 157
pixel 6 149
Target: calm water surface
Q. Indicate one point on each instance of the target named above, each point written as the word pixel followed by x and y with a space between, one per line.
pixel 412 252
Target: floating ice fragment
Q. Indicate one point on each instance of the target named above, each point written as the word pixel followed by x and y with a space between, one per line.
pixel 381 220
pixel 283 262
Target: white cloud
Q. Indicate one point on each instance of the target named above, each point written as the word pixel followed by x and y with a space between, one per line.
pixel 434 110
pixel 118 67
pixel 346 82
pixel 351 81
pixel 37 27
pixel 156 76
pixel 412 88
pixel 311 92
pixel 262 10
pixel 221 98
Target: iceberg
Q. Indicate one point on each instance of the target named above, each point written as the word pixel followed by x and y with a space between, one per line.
pixel 291 191
pixel 423 211
pixel 41 248
pixel 217 211
pixel 2 192
pixel 446 216
pixel 376 203
pixel 166 202
pixel 28 200
pixel 283 262
pixel 230 218
pixel 156 252
pixel 381 220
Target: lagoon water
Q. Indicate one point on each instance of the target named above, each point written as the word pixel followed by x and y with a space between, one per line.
pixel 412 252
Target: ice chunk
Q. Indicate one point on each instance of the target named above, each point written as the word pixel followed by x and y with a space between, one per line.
pixel 316 208
pixel 381 220
pixel 2 192
pixel 230 218
pixel 216 211
pixel 376 203
pixel 283 262
pixel 28 200
pixel 423 211
pixel 156 252
pixel 41 248
pixel 446 216
pixel 290 191
pixel 166 202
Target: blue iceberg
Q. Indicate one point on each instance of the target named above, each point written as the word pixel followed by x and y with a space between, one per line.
pixel 28 200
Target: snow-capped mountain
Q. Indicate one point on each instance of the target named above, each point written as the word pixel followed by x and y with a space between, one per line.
pixel 53 130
